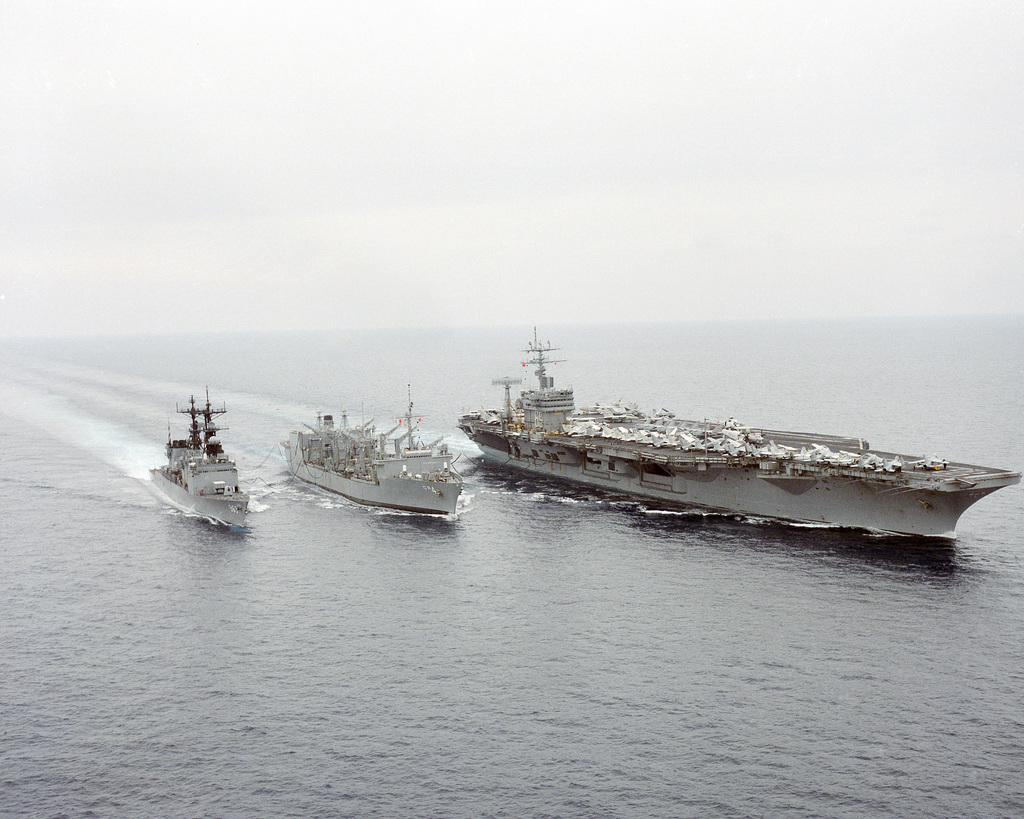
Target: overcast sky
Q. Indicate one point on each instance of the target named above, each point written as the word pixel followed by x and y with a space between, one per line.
pixel 227 166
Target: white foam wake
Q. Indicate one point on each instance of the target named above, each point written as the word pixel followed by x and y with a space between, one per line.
pixel 112 443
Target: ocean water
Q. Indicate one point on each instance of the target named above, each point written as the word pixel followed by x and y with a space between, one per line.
pixel 550 651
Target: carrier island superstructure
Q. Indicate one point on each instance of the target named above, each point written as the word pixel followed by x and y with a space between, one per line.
pixel 374 469
pixel 724 465
pixel 198 477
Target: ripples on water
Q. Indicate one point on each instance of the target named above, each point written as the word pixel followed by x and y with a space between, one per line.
pixel 549 652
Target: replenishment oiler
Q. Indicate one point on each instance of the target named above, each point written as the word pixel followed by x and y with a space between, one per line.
pixel 725 466
pixel 199 478
pixel 374 469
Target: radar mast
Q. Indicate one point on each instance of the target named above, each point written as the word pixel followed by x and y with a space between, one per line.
pixel 537 350
pixel 507 382
pixel 199 438
pixel 408 420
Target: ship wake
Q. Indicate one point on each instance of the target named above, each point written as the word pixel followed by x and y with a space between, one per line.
pixel 110 442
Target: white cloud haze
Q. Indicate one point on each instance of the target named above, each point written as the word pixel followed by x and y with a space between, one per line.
pixel 220 166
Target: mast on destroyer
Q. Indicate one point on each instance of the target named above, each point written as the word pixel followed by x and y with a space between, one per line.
pixel 201 438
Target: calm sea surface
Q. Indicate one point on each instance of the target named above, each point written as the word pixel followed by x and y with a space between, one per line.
pixel 550 651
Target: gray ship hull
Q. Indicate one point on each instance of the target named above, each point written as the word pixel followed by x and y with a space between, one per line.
pixel 724 466
pixel 408 494
pixel 228 509
pixel 810 494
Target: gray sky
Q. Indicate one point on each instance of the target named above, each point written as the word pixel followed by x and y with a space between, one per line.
pixel 221 166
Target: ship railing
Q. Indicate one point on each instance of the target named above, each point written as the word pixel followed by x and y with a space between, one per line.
pixel 433 477
pixel 218 490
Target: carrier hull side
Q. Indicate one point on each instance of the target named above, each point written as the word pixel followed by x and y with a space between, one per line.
pixel 723 465
pixel 405 494
pixel 227 509
pixel 819 499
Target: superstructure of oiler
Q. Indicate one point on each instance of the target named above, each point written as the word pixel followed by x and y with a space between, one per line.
pixel 373 468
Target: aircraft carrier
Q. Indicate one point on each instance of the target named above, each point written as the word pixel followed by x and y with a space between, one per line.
pixel 725 466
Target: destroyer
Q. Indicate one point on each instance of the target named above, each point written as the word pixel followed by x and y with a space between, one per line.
pixel 199 478
pixel 374 469
pixel 726 466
